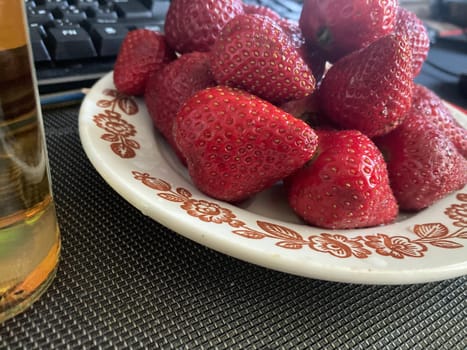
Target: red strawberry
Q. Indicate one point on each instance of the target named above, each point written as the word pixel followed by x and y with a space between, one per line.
pixel 193 25
pixel 312 55
pixel 253 53
pixel 174 84
pixel 426 103
pixel 293 31
pixel 237 144
pixel 345 185
pixel 423 164
pixel 343 26
pixel 261 10
pixel 371 89
pixel 407 23
pixel 290 27
pixel 142 52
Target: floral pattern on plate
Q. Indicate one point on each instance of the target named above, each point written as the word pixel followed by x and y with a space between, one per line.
pixel 117 130
pixel 336 244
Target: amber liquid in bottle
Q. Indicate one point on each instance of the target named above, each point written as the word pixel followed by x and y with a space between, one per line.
pixel 29 233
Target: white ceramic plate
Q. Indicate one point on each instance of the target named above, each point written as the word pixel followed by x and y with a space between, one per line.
pixel 118 137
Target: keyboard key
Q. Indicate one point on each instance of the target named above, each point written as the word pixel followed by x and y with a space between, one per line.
pixel 158 8
pixel 37 43
pixel 107 38
pixel 30 5
pixel 39 16
pixel 83 5
pixel 51 4
pixel 132 9
pixel 70 42
pixel 149 24
pixel 70 13
pixel 102 14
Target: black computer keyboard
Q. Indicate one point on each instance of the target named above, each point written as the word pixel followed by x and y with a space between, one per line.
pixel 75 42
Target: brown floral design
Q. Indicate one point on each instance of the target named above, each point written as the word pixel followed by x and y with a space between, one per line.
pixel 335 244
pixel 204 210
pixel 397 246
pixel 117 130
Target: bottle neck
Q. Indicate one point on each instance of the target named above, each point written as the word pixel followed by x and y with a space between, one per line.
pixel 12 25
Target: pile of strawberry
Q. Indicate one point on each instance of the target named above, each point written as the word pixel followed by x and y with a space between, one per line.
pixel 327 106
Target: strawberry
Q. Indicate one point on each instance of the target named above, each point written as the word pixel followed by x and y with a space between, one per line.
pixel 293 31
pixel 426 103
pixel 172 85
pixel 254 53
pixel 251 9
pixel 371 89
pixel 311 54
pixel 193 25
pixel 342 26
pixel 237 144
pixel 142 52
pixel 407 23
pixel 345 185
pixel 423 164
pixel 291 28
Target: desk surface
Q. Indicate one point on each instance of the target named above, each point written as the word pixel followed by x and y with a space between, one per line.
pixel 125 281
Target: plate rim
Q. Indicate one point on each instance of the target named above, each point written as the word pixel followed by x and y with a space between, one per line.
pixel 244 250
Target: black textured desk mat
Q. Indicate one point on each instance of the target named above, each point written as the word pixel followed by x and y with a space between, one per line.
pixel 126 282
